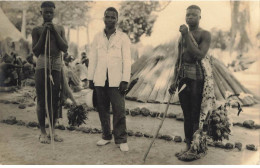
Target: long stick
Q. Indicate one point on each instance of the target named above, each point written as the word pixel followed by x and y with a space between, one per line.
pixel 158 129
pixel 51 80
pixel 161 123
pixel 168 103
pixel 46 95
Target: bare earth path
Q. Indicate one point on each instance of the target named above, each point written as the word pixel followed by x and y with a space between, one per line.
pixel 20 145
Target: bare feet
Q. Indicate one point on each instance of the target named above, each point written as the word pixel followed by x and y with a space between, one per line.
pixel 56 138
pixel 44 139
pixel 189 156
pixel 178 154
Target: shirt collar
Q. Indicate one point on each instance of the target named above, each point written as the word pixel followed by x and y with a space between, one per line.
pixel 104 34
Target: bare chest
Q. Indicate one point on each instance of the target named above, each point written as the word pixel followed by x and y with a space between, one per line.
pixel 196 36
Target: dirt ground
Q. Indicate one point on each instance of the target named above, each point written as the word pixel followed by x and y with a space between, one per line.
pixel 20 144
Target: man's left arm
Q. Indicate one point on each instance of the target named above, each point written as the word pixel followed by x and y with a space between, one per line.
pixel 61 39
pixel 126 55
pixel 200 51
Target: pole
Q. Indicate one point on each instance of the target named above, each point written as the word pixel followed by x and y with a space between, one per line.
pixel 46 89
pixel 168 103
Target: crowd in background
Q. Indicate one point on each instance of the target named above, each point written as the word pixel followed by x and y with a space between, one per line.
pixel 16 69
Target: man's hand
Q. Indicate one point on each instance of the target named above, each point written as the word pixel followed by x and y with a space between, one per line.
pixel 183 29
pixel 91 84
pixel 123 87
pixel 49 26
pixel 172 88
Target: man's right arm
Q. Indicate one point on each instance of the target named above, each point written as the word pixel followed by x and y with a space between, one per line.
pixel 38 41
pixel 92 62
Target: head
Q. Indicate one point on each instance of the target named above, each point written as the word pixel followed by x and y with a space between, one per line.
pixel 30 59
pixel 193 15
pixel 85 61
pixel 110 17
pixel 83 55
pixel 47 11
pixel 8 59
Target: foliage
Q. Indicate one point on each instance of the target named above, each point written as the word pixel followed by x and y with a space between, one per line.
pixel 218 124
pixel 67 13
pixel 77 115
pixel 219 39
pixel 136 18
pixel 72 14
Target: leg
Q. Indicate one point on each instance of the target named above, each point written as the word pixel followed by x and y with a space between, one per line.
pixel 40 91
pixel 119 116
pixel 56 101
pixel 196 94
pixel 103 105
pixel 184 97
pixel 19 79
pixel 94 99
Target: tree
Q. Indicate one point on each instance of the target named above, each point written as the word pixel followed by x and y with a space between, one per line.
pixel 136 18
pixel 26 15
pixel 240 21
pixel 73 15
pixel 23 14
pixel 219 39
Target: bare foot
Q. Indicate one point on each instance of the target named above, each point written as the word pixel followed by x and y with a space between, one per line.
pixel 178 154
pixel 56 138
pixel 189 156
pixel 44 139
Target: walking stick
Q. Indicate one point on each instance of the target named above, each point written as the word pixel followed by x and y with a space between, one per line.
pixel 161 123
pixel 46 89
pixel 168 103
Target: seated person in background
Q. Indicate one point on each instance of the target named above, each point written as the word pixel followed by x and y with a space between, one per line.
pixel 8 73
pixel 30 60
pixel 28 70
pixel 72 78
pixel 18 61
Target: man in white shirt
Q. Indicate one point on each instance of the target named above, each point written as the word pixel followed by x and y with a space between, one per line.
pixel 109 74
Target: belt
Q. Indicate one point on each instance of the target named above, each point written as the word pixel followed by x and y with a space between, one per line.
pixel 192 71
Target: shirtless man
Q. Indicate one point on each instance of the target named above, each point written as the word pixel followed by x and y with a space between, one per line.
pixel 191 72
pixel 58 44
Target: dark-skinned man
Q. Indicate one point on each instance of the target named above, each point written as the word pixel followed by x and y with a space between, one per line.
pixel 193 47
pixel 58 44
pixel 109 73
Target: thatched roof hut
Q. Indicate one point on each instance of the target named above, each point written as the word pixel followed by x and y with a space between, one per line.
pixel 152 76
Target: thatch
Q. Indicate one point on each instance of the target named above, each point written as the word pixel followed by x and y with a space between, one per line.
pixel 7 29
pixel 155 70
pixel 11 39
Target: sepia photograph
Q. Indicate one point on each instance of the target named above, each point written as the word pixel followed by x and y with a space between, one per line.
pixel 144 82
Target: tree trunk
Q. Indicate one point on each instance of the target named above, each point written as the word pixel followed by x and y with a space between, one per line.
pixel 68 35
pixel 78 36
pixel 23 28
pixel 87 27
pixel 240 27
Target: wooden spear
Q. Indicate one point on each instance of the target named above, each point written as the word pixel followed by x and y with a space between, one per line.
pixel 168 103
pixel 161 123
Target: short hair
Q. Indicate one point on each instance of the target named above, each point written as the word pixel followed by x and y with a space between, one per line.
pixel 83 53
pixel 48 4
pixel 111 9
pixel 194 7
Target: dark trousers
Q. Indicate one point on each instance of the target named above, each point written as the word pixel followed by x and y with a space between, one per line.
pixel 40 91
pixel 190 99
pixel 105 96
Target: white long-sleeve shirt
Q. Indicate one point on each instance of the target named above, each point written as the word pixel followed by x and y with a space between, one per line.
pixel 112 56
